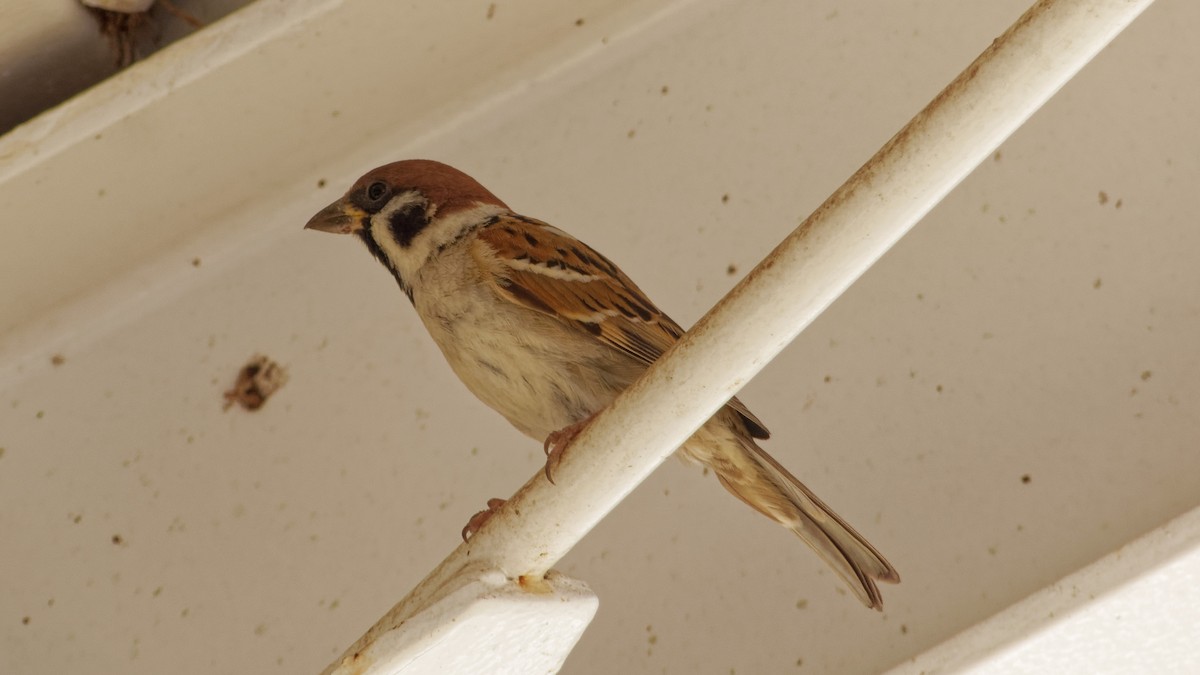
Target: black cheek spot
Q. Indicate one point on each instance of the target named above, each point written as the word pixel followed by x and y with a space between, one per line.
pixel 407 222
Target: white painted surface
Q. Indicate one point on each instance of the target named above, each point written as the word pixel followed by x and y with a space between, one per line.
pixel 486 624
pixel 51 51
pixel 129 6
pixel 1133 611
pixel 1029 326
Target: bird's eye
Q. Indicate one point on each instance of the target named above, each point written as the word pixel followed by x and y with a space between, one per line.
pixel 377 191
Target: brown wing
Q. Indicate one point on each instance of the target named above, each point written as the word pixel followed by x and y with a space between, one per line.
pixel 542 268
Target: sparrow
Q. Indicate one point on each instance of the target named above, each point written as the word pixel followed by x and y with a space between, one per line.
pixel 547 332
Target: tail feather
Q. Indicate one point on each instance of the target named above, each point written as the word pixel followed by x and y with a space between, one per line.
pixel 762 483
pixel 845 550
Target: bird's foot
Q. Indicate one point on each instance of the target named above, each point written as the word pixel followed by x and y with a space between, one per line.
pixel 557 442
pixel 477 521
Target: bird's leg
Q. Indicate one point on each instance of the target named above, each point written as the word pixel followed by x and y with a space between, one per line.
pixel 557 442
pixel 482 517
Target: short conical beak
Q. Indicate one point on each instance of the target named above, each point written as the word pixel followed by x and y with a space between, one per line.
pixel 338 218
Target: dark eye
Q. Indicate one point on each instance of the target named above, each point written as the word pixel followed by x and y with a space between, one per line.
pixel 377 191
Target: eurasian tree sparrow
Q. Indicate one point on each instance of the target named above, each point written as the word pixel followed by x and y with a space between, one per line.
pixel 547 331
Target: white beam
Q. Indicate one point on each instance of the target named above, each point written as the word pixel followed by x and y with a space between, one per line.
pixel 943 143
pixel 1132 611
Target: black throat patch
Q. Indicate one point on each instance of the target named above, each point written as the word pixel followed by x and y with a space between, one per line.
pixel 365 235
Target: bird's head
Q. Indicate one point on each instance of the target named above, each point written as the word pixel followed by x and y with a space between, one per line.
pixel 408 211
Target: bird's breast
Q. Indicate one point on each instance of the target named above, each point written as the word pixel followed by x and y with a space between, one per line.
pixel 538 372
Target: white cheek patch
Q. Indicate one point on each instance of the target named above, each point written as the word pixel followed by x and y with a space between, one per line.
pixel 402 259
pixel 406 260
pixel 453 225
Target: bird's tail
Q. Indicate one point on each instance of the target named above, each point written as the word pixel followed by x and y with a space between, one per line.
pixel 760 481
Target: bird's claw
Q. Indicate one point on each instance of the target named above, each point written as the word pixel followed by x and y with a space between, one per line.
pixel 554 446
pixel 477 521
pixel 557 442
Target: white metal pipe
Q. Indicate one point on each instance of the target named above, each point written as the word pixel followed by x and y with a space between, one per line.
pixel 961 127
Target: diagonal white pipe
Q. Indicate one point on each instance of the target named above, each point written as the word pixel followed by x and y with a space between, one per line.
pixel 961 127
